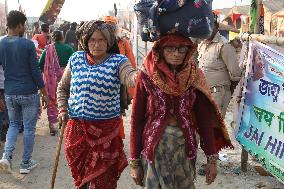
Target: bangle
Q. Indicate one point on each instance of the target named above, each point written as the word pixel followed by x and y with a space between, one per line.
pixel 135 163
pixel 62 110
pixel 212 159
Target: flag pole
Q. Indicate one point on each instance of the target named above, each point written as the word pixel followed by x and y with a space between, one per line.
pixel 258 14
pixel 244 154
pixel 6 8
pixel 136 39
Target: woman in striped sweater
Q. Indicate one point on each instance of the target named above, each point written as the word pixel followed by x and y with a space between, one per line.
pixel 90 93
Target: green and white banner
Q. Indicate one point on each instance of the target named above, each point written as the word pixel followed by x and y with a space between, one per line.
pixel 261 116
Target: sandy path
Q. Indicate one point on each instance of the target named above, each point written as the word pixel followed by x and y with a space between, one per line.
pixel 45 148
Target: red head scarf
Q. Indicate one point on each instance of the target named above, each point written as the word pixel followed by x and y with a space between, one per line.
pixel 159 71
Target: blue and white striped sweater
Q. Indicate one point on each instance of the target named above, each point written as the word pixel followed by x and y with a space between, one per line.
pixel 95 89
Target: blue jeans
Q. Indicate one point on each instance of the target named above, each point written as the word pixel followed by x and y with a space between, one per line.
pixel 26 108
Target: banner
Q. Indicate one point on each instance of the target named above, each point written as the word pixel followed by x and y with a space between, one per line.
pixel 51 11
pixel 261 115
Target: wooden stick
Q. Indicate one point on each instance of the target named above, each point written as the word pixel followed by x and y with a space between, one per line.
pixel 244 155
pixel 263 38
pixel 244 160
pixel 58 149
pixel 258 10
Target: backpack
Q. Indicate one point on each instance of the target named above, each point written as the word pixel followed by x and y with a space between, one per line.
pixel 190 18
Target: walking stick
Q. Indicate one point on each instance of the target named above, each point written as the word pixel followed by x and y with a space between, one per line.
pixel 58 149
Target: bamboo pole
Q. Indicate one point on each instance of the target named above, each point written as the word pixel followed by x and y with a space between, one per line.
pixel 136 39
pixel 146 48
pixel 244 155
pixel 244 160
pixel 258 10
pixel 263 38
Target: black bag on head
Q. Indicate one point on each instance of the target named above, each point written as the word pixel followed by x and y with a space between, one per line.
pixel 142 9
pixel 190 18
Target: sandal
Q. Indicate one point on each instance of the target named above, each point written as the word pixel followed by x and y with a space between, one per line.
pixel 52 130
pixel 202 170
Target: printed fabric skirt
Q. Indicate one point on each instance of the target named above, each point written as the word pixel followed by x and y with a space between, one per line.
pixel 171 168
pixel 94 151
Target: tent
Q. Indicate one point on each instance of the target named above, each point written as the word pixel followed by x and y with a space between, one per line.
pixel 279 16
pixel 234 16
pixel 239 16
pixel 271 7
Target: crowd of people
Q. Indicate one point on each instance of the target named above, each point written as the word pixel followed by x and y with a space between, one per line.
pixel 86 79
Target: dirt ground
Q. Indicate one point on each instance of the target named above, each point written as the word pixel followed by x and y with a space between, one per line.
pixel 45 148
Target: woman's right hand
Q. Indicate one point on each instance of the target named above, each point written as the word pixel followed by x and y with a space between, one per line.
pixel 44 98
pixel 62 119
pixel 137 175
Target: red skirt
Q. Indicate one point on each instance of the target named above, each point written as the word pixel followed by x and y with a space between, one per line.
pixel 94 151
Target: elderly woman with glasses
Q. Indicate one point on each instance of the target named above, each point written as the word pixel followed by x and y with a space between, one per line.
pixel 90 93
pixel 172 103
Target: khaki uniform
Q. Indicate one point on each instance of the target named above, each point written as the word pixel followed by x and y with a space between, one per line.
pixel 218 61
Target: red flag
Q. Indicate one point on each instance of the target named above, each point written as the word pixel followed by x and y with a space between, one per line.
pixel 235 17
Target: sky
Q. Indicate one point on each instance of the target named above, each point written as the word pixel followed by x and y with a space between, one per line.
pixel 77 10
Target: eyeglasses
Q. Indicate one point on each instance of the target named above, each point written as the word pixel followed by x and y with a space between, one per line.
pixel 181 49
pixel 99 41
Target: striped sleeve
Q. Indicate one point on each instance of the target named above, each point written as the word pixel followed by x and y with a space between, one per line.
pixel 63 89
pixel 127 74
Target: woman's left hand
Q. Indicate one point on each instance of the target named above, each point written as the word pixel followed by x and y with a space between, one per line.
pixel 44 101
pixel 211 172
pixel 137 175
